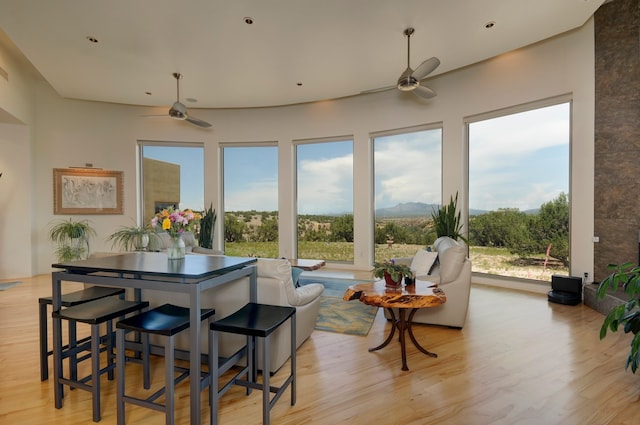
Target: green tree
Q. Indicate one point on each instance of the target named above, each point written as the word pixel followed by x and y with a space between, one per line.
pixel 234 228
pixel 506 227
pixel 550 227
pixel 342 229
pixel 268 230
pixel 393 231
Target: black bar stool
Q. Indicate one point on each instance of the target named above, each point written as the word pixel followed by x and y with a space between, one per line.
pixel 68 300
pixel 167 320
pixel 255 321
pixel 94 313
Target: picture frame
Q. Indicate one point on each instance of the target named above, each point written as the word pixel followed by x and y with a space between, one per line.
pixel 87 191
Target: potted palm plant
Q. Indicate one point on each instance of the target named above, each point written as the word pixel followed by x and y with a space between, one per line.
pixel 625 315
pixel 138 238
pixel 72 238
pixel 447 220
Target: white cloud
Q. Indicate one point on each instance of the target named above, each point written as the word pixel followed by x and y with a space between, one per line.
pixel 261 195
pixel 326 185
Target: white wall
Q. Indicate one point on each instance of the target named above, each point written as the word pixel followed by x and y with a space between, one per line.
pixel 72 133
pixel 17 110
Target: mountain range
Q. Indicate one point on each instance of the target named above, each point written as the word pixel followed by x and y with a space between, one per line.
pixel 420 209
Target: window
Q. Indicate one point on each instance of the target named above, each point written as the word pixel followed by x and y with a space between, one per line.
pixel 171 175
pixel 250 200
pixel 519 191
pixel 325 200
pixel 407 186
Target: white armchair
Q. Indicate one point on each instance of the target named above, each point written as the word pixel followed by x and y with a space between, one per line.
pixel 452 273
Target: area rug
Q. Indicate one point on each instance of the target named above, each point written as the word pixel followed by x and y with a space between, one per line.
pixel 336 315
pixel 6 285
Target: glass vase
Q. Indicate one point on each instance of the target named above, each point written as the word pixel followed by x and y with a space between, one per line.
pixel 176 248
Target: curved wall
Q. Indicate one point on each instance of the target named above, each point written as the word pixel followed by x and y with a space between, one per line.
pixel 72 133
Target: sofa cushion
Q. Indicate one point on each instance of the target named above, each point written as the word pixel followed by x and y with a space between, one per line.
pixel 280 269
pixel 451 256
pixel 422 262
pixel 275 268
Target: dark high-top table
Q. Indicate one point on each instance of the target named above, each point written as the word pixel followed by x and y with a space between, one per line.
pixel 136 270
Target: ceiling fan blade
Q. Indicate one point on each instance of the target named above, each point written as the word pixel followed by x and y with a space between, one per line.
pixel 378 90
pixel 426 68
pixel 424 92
pixel 198 122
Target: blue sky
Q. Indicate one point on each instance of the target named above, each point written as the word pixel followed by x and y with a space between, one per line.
pixel 517 161
pixel 520 160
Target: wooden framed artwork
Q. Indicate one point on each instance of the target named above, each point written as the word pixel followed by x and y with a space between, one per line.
pixel 87 191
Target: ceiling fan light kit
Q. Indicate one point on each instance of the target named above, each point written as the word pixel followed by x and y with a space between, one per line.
pixel 179 112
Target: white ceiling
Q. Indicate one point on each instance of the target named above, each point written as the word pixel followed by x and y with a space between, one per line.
pixel 335 48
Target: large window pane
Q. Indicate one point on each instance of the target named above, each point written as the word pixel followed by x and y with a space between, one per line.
pixel 518 193
pixel 325 200
pixel 172 175
pixel 251 200
pixel 407 184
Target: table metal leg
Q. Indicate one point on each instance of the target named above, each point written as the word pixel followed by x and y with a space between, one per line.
pixel 56 292
pixel 391 334
pixel 413 338
pixel 194 355
pixel 402 323
pixel 403 346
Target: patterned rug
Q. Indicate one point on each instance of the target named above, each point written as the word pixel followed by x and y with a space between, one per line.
pixel 336 315
pixel 6 285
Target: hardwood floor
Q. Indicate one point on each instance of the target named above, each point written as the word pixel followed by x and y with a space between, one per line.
pixel 519 360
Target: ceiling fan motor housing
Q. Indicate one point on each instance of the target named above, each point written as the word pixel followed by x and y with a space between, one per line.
pixel 407 81
pixel 178 111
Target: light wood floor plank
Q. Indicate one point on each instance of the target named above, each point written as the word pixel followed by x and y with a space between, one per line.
pixel 519 360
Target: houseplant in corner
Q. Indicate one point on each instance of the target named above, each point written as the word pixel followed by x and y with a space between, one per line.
pixel 627 314
pixel 138 238
pixel 207 227
pixel 448 222
pixel 72 238
pixel 392 272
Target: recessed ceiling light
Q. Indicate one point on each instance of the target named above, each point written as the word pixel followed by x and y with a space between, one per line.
pixel 248 20
pixel 489 24
pixel 92 39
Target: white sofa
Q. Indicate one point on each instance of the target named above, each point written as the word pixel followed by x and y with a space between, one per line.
pixel 452 272
pixel 275 286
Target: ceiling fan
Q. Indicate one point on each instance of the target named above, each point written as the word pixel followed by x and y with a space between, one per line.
pixel 411 80
pixel 179 112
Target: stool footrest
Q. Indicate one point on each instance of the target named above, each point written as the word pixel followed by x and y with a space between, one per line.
pixel 167 321
pixel 254 321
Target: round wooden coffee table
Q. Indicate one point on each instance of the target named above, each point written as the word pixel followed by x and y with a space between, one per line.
pixel 422 294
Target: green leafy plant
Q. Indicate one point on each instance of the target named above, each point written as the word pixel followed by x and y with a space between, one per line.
pixel 395 270
pixel 447 221
pixel 138 238
pixel 207 227
pixel 72 238
pixel 627 314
